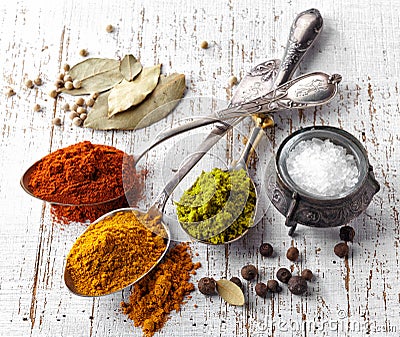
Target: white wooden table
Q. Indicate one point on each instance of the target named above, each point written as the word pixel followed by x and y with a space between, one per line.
pixel 360 40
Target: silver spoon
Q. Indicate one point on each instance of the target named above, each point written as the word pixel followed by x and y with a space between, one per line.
pixel 68 280
pixel 156 210
pixel 305 91
pixel 258 82
pixel 240 164
pixel 309 90
pixel 266 72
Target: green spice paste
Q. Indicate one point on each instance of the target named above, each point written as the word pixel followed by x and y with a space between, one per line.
pixel 219 206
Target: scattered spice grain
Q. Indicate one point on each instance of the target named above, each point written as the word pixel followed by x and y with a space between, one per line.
pixel 273 286
pixel 266 249
pixel 77 121
pixel 38 81
pixel 81 110
pixel 341 249
pixel 283 275
pixel 83 52
pixel 69 85
pixel 307 274
pixel 59 84
pixel 249 272
pixel 292 254
pixel 207 286
pixel 94 95
pixel 204 44
pixel 261 289
pixel 237 281
pixel 162 291
pixel 53 93
pixel 232 81
pixel 72 115
pixel 67 78
pixel 56 121
pixel 80 101
pixel 37 107
pixel 10 92
pixel 29 84
pixel 90 102
pixel 77 84
pixel 297 285
pixel 109 28
pixel 347 233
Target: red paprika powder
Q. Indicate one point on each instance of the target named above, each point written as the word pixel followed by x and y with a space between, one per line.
pixel 83 174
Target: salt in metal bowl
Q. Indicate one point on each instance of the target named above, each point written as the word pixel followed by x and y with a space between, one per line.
pixel 302 207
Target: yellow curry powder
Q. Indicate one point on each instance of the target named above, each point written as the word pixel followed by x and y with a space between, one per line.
pixel 162 291
pixel 115 252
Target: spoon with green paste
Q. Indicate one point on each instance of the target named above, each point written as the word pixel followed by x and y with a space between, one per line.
pixel 221 205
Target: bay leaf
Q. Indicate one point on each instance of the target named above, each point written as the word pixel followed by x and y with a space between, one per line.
pixel 95 75
pixel 126 94
pixel 230 292
pixel 130 67
pixel 155 107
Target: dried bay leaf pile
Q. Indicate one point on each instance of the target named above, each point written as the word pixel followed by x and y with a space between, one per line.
pixel 130 96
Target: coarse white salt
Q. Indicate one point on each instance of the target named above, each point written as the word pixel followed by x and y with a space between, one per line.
pixel 322 168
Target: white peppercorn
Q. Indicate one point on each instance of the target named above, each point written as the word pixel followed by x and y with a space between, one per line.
pixel 81 110
pixel 77 121
pixel 72 115
pixel 38 81
pixel 90 102
pixel 56 121
pixel 77 84
pixel 80 101
pixel 29 84
pixel 68 85
pixel 53 93
pixel 109 28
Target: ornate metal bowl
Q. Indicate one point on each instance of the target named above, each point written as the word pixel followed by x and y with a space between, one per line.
pixel 301 207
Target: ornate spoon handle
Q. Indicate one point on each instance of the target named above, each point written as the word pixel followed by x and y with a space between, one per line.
pixel 304 91
pixel 306 27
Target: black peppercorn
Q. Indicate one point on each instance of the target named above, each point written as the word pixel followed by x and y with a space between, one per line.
pixel 307 274
pixel 347 233
pixel 249 272
pixel 297 285
pixel 341 249
pixel 207 286
pixel 237 281
pixel 266 249
pixel 273 286
pixel 283 275
pixel 261 289
pixel 292 254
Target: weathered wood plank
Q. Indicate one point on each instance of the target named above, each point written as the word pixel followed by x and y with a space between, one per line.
pixel 359 41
